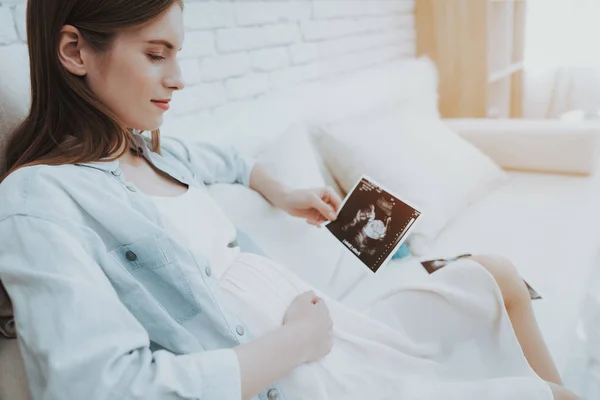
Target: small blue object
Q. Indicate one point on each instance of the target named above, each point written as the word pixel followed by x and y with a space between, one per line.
pixel 402 252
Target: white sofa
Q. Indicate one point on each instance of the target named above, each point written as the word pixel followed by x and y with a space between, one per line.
pixel 546 223
pixel 544 216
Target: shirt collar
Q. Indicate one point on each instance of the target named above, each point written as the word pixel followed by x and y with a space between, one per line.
pixel 139 143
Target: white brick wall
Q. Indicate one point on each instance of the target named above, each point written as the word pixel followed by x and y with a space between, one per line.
pixel 239 50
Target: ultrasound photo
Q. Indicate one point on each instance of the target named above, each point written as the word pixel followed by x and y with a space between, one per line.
pixel 372 223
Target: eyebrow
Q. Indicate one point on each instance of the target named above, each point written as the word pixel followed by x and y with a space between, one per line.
pixel 165 43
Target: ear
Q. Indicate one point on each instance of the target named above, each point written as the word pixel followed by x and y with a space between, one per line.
pixel 70 45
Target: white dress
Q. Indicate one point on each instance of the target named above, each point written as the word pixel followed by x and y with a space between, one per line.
pixel 447 338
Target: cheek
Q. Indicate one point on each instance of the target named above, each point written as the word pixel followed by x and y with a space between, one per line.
pixel 131 77
pixel 126 86
pixel 113 83
pixel 131 89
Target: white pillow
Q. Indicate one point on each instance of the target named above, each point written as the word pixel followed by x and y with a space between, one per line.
pixel 293 159
pixel 310 252
pixel 418 158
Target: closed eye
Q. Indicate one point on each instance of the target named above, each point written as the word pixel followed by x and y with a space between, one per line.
pixel 155 57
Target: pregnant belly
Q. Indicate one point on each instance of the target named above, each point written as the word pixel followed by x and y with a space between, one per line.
pixel 259 291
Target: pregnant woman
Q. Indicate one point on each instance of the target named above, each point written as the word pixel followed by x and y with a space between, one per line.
pixel 127 282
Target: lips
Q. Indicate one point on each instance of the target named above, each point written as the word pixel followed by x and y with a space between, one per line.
pixel 162 104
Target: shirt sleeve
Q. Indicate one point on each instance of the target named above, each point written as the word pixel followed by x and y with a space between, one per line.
pixel 79 341
pixel 209 162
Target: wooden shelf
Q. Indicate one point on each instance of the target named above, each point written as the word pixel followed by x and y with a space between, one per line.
pixel 477 46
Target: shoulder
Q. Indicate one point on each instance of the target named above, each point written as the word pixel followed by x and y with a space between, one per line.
pixel 44 190
pixel 174 148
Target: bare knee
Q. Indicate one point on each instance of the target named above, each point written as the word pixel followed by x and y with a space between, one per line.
pixel 506 275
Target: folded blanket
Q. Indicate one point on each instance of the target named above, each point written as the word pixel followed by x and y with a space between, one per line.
pixel 7 322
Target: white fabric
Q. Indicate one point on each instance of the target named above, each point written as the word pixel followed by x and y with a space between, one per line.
pixel 291 158
pixel 528 219
pixel 463 346
pixel 285 238
pixel 419 159
pixel 534 145
pixel 548 226
pixel 212 230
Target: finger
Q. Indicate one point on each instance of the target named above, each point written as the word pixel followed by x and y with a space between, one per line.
pixel 312 222
pixel 312 296
pixel 333 198
pixel 315 215
pixel 325 209
pixel 318 221
pixel 314 218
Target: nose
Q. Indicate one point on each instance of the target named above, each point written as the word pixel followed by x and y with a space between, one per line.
pixel 174 80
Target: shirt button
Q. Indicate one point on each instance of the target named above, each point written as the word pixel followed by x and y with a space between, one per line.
pixel 131 188
pixel 240 330
pixel 130 255
pixel 208 271
pixel 116 172
pixel 273 394
pixel 232 244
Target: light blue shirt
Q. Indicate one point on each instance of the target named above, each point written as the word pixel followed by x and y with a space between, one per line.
pixel 107 304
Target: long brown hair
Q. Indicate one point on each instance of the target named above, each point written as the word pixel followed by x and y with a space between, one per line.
pixel 66 123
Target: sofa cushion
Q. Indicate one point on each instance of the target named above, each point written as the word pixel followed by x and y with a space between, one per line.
pixel 530 145
pixel 418 158
pixel 14 104
pixel 292 158
pixel 13 380
pixel 548 226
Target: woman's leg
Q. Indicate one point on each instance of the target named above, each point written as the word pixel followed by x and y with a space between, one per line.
pixel 518 304
pixel 560 393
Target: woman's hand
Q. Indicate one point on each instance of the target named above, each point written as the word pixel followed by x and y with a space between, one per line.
pixel 309 316
pixel 315 205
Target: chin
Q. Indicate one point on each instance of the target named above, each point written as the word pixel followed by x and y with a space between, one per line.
pixel 150 124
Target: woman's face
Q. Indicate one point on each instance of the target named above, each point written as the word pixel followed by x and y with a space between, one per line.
pixel 138 75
